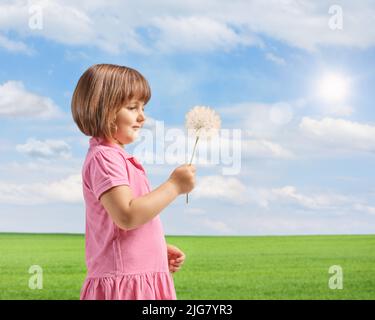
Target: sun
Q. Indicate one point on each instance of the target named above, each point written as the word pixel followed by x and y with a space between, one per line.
pixel 333 87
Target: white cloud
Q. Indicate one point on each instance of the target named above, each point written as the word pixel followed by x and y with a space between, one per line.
pixel 325 202
pixel 218 187
pixel 192 25
pixel 261 120
pixel 305 24
pixel 150 122
pixel 17 102
pixel 48 149
pixel 365 208
pixel 33 170
pixel 218 226
pixel 106 26
pixel 320 201
pixel 101 25
pixel 276 59
pixel 14 46
pixel 339 133
pixel 287 223
pixel 266 135
pixel 281 131
pixel 68 190
pixel 197 33
pixel 338 110
pixel 265 149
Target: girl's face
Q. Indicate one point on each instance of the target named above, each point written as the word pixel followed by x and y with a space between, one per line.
pixel 129 120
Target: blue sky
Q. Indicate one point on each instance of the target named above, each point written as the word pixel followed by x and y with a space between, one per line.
pixel 306 158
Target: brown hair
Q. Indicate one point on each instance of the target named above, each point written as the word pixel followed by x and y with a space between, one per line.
pixel 101 92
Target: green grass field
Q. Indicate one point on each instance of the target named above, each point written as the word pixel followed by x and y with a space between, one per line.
pixel 278 267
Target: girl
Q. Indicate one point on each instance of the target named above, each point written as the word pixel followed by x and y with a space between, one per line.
pixel 126 253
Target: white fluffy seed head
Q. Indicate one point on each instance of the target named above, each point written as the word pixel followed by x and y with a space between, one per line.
pixel 203 121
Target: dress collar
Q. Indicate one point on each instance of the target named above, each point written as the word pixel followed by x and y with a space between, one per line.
pixel 96 141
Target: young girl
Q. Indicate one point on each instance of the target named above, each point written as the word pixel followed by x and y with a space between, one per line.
pixel 126 253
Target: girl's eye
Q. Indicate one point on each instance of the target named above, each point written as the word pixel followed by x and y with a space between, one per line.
pixel 133 108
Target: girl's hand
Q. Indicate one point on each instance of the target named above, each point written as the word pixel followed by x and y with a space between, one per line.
pixel 183 177
pixel 176 258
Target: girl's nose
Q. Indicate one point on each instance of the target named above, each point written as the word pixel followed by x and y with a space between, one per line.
pixel 141 116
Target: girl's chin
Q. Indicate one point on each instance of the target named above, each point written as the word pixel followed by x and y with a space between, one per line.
pixel 131 137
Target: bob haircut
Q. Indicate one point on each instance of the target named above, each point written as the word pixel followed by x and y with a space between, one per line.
pixel 101 92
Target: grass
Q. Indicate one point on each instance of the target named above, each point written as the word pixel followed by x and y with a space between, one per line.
pixel 277 267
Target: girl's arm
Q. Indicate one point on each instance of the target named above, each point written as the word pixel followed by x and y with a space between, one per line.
pixel 130 213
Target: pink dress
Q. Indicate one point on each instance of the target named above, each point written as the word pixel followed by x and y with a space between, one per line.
pixel 121 264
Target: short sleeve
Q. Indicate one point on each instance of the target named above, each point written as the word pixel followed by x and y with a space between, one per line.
pixel 107 169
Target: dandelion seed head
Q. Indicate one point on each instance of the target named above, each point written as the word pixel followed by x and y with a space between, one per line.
pixel 202 121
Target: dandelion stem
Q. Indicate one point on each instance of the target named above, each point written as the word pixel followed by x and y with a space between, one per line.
pixel 195 145
pixel 191 160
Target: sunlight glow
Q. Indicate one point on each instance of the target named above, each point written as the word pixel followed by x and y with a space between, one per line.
pixel 333 87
